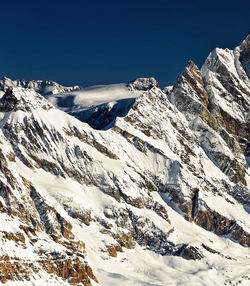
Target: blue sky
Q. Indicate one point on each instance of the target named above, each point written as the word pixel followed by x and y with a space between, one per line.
pixel 100 42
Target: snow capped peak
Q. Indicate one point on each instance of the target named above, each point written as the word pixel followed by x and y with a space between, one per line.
pixel 188 88
pixel 144 84
pixel 193 71
pixel 18 98
pixel 191 65
pixel 235 62
pixel 245 54
pixel 226 81
pixel 43 87
pixel 216 59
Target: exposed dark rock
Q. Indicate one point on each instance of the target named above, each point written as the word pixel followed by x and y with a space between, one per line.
pixel 190 253
pixel 8 101
pixel 213 221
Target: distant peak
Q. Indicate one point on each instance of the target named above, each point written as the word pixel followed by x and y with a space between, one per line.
pixel 191 63
pixel 245 54
pixel 191 66
pixel 144 83
pixel 43 87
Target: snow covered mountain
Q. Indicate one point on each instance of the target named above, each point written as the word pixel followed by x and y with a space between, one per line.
pixel 128 184
pixel 45 87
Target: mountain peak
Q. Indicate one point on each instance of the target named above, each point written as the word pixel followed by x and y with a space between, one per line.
pixel 144 84
pixel 193 69
pixel 18 98
pixel 189 86
pixel 44 87
pixel 191 64
pixel 245 54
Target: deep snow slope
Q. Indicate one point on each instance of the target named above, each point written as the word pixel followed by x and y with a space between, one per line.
pixel 98 105
pixel 128 184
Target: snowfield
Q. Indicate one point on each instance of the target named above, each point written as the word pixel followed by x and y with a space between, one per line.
pixel 92 96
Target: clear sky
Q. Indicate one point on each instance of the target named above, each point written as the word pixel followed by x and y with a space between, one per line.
pixel 106 41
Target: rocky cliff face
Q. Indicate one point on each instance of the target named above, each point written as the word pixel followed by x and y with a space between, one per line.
pixel 131 188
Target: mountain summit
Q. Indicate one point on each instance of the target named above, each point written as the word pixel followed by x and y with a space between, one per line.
pixel 128 184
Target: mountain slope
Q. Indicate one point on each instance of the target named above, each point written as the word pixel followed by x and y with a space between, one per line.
pixel 147 188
